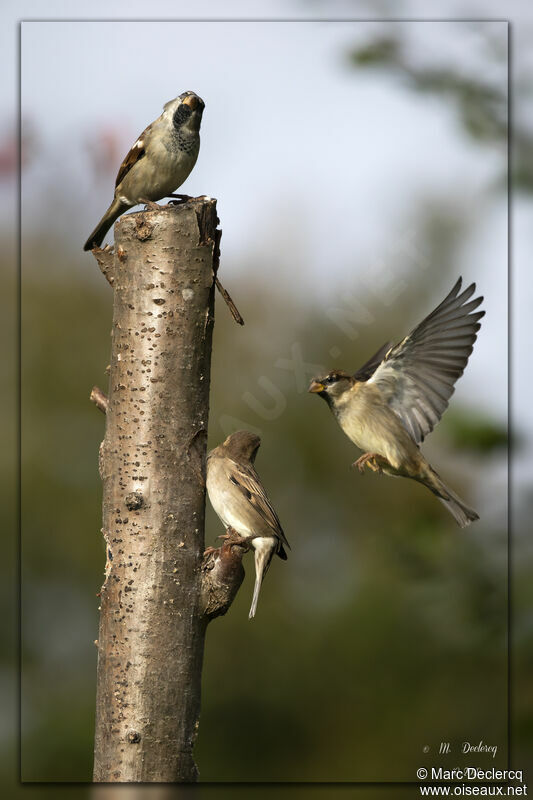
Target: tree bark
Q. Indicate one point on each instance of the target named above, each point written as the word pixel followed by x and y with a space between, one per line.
pixel 153 619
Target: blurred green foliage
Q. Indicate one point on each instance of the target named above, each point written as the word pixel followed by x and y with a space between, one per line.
pixel 477 433
pixel 481 106
pixel 381 51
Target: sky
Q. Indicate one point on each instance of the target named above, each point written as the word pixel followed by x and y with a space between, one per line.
pixel 287 125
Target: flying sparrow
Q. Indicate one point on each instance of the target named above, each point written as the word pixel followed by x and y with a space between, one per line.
pixel 239 499
pixel 158 163
pixel 399 395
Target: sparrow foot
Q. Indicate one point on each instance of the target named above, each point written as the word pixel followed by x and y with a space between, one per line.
pixel 178 199
pixel 149 205
pixel 368 460
pixel 209 550
pixel 232 537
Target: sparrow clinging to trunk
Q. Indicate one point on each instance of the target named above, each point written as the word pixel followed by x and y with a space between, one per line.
pixel 399 395
pixel 239 499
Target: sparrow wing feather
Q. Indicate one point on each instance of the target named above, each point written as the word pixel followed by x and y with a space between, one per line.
pixel 246 480
pixel 369 367
pixel 417 377
pixel 137 151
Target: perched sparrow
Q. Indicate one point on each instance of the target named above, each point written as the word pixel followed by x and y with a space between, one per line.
pixel 399 395
pixel 158 163
pixel 238 497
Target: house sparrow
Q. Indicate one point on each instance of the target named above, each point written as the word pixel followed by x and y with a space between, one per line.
pixel 238 498
pixel 158 163
pixel 399 395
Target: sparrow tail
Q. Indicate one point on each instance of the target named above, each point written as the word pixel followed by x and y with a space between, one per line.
pixel 462 514
pixel 257 587
pixel 263 555
pixel 113 212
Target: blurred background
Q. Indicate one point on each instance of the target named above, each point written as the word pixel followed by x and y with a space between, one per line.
pixel 360 167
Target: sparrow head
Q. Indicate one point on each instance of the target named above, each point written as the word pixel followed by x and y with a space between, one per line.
pixel 332 385
pixel 242 445
pixel 186 112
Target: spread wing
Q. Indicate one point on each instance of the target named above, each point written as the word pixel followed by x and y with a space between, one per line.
pixel 418 375
pixel 369 367
pixel 136 152
pixel 247 481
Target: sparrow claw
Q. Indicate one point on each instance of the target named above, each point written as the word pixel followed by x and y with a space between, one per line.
pixel 209 550
pixel 232 537
pixel 178 199
pixel 149 205
pixel 368 460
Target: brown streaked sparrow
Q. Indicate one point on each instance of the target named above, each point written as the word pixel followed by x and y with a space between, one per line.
pixel 158 163
pixel 399 395
pixel 239 499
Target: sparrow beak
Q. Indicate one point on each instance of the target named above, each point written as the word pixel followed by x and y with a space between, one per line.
pixel 192 100
pixel 316 387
